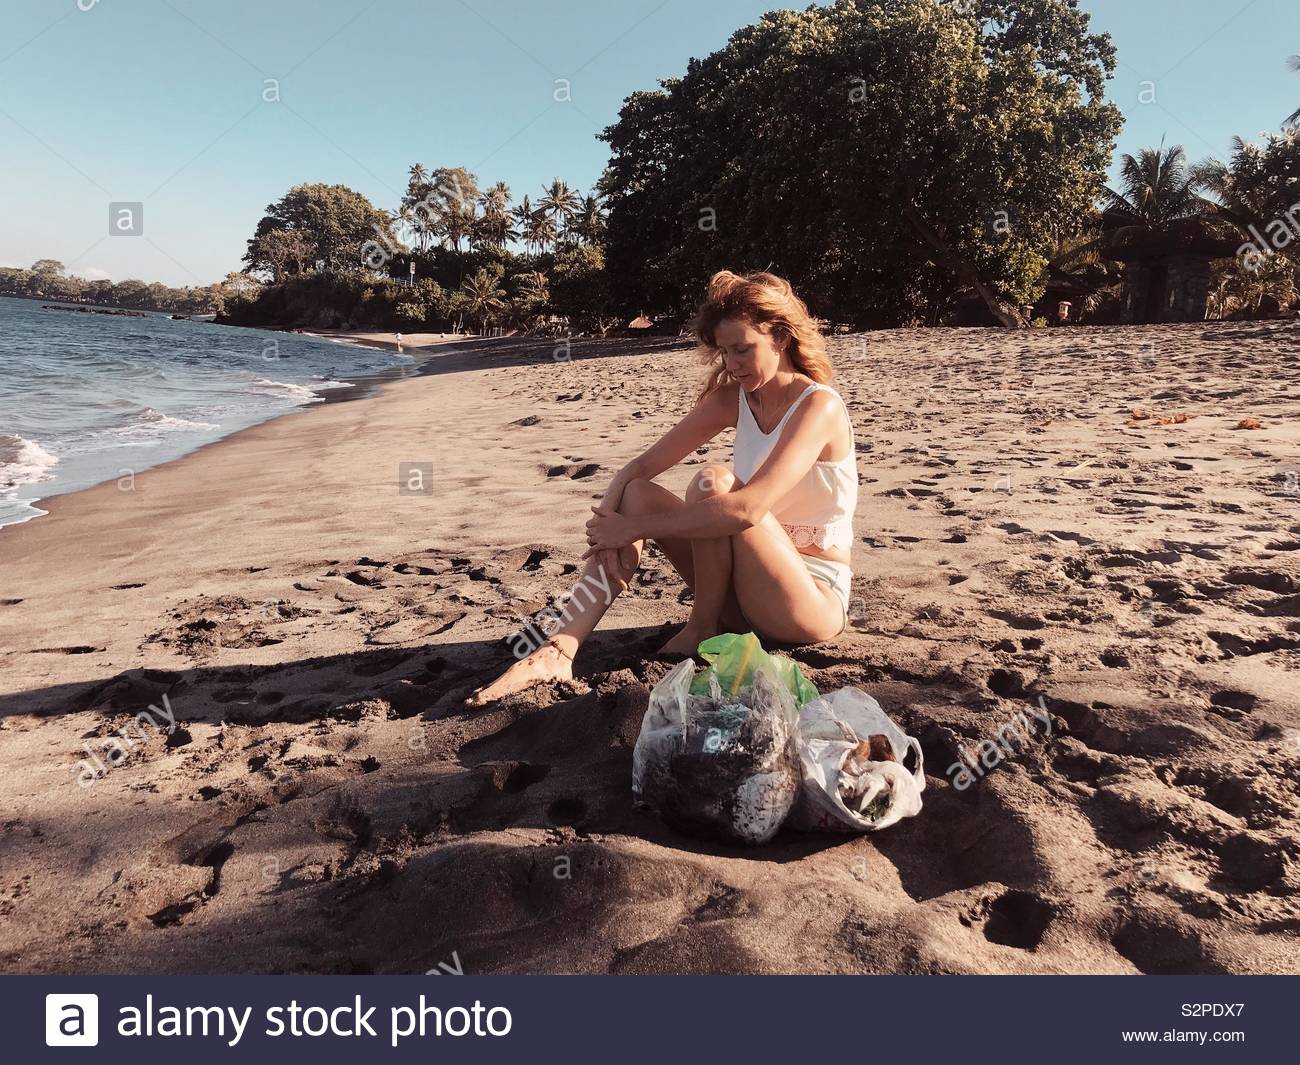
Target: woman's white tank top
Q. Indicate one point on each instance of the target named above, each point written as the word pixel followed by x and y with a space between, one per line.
pixel 819 509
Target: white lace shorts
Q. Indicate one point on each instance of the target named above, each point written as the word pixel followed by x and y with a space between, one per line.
pixel 835 575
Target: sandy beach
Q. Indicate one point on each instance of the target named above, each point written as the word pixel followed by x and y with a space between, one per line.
pixel 326 803
pixel 388 341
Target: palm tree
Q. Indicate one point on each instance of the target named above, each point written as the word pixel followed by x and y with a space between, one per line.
pixel 401 219
pixel 589 224
pixel 1234 185
pixel 539 230
pixel 522 213
pixel 1157 187
pixel 495 225
pixel 1294 118
pixel 417 187
pixel 482 296
pixel 1079 257
pixel 561 203
pixel 1235 288
pixel 459 219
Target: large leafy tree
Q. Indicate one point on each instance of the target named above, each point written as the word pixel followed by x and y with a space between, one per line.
pixel 880 153
pixel 283 251
pixel 333 221
pixel 580 288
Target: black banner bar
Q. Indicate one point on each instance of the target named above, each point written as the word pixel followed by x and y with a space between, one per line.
pixel 659 1020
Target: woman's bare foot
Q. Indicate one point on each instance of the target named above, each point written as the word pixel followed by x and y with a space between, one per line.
pixel 548 662
pixel 688 639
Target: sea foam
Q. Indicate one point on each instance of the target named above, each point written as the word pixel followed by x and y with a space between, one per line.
pixel 23 461
pixel 298 393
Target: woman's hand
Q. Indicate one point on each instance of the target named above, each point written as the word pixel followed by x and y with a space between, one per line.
pixel 608 530
pixel 613 497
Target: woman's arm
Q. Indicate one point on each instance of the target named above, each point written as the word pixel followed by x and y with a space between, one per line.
pixel 804 438
pixel 706 419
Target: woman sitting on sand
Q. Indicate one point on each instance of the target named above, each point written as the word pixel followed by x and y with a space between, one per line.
pixel 764 545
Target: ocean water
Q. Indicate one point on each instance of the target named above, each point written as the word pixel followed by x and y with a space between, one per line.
pixel 86 398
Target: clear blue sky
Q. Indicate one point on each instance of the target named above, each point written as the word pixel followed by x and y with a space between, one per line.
pixel 160 101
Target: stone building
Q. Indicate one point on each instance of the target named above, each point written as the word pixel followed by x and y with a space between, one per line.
pixel 1167 269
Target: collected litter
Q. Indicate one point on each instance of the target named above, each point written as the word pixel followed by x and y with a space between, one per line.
pixel 734 751
pixel 855 777
pixel 718 754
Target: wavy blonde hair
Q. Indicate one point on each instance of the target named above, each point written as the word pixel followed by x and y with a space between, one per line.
pixel 768 303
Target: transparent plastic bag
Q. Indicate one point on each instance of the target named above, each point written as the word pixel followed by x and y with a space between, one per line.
pixel 720 763
pixel 732 657
pixel 855 777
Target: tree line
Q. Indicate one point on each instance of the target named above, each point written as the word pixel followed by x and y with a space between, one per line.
pixel 890 157
pixel 332 259
pixel 48 279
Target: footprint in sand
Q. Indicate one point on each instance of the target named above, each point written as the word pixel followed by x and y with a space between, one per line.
pixel 1158 946
pixel 1236 700
pixel 1265 580
pixel 1075 537
pixel 573 471
pixel 1018 621
pixel 1015 918
pixel 367 580
pixel 414 628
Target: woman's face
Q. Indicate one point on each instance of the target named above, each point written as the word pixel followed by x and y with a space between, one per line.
pixel 749 352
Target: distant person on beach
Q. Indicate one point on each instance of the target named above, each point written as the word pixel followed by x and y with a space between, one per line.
pixel 764 545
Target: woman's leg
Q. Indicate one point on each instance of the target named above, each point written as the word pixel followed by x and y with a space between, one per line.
pixel 593 594
pixel 711 570
pixel 775 590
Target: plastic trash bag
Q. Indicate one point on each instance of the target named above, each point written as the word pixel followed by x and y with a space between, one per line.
pixel 721 761
pixel 854 777
pixel 732 658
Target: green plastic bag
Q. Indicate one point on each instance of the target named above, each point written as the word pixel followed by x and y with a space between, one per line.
pixel 733 658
